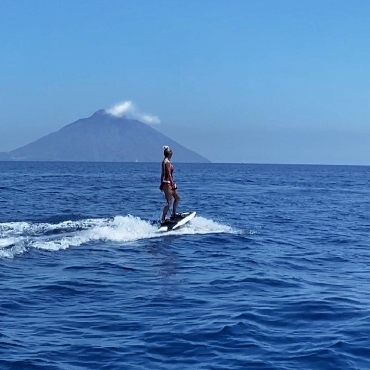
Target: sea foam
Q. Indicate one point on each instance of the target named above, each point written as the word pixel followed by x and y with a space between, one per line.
pixel 18 237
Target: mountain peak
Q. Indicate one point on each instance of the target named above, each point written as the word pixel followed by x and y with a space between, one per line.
pixel 100 112
pixel 103 112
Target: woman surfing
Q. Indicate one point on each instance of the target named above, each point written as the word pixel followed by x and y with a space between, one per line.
pixel 168 186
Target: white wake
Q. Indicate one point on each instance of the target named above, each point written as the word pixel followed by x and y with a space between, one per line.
pixel 18 237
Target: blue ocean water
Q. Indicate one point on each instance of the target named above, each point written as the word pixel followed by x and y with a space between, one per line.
pixel 273 273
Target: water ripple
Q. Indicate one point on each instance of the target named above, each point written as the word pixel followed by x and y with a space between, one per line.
pixel 272 274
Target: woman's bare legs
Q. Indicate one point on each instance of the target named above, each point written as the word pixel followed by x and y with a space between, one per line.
pixel 176 202
pixel 168 195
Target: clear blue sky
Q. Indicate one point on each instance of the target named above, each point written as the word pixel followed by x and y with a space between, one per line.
pixel 267 81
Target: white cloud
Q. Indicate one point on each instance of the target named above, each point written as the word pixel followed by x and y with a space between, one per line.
pixel 129 109
pixel 151 120
pixel 120 109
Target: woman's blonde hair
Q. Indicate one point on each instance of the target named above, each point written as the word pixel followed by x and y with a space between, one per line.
pixel 166 150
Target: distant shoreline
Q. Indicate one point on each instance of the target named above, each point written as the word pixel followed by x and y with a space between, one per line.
pixel 191 163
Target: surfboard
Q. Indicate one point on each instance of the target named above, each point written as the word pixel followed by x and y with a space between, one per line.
pixel 177 222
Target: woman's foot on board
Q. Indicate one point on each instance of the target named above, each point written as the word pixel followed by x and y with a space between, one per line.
pixel 175 216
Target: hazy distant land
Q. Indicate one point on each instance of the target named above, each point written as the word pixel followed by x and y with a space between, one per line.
pixel 102 138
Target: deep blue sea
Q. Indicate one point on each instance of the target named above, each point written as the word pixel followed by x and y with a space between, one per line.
pixel 273 273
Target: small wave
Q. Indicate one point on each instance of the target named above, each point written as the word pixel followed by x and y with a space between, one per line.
pixel 17 237
pixel 7 242
pixel 10 247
